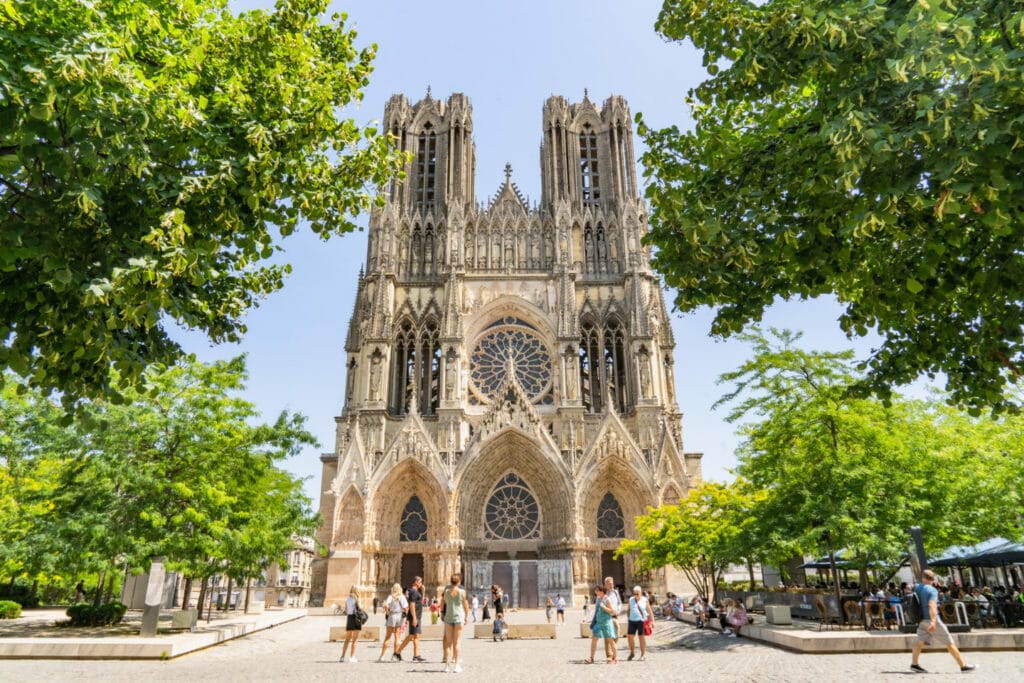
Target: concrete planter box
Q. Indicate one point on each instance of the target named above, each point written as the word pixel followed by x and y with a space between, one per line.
pixel 778 614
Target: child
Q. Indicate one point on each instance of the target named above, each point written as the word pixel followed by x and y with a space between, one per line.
pixel 499 631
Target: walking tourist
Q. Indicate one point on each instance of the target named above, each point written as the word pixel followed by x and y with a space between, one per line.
pixel 415 595
pixel 602 627
pixel 615 600
pixel 352 627
pixel 474 606
pixel 395 607
pixel 639 612
pixel 486 615
pixel 931 629
pixel 499 604
pixel 549 608
pixel 560 608
pixel 454 607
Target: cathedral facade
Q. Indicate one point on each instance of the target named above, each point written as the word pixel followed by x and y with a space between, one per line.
pixel 509 398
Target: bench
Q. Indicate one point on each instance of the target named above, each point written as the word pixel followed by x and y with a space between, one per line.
pixel 517 631
pixel 586 633
pixel 368 633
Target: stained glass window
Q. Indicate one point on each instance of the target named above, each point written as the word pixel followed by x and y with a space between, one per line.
pixel 512 339
pixel 511 511
pixel 610 522
pixel 414 521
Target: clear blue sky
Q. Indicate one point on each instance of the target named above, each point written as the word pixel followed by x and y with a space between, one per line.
pixel 507 57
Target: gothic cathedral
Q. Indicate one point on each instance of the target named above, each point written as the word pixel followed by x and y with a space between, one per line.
pixel 509 399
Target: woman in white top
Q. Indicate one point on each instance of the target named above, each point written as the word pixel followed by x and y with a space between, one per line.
pixel 352 626
pixel 394 607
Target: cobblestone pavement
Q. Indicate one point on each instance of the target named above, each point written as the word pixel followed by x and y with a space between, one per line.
pixel 299 651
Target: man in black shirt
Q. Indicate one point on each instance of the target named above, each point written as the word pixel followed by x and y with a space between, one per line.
pixel 415 596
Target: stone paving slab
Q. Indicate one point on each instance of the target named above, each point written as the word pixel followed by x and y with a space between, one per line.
pixel 298 651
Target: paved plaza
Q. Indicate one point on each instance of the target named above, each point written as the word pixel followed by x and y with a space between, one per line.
pixel 299 651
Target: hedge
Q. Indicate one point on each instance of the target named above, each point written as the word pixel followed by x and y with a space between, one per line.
pixel 9 609
pixel 85 614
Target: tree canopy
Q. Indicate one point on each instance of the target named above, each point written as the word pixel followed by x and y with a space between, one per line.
pixel 183 469
pixel 871 150
pixel 839 471
pixel 152 155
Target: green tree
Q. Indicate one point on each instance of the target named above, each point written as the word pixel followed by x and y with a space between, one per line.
pixel 841 472
pixel 152 155
pixel 871 150
pixel 699 535
pixel 33 447
pixel 182 469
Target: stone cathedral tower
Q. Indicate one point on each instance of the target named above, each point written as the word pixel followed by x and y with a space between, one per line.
pixel 509 401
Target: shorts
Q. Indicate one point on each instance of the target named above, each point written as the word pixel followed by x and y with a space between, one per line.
pixel 636 628
pixel 940 636
pixel 352 624
pixel 395 619
pixel 560 611
pixel 418 628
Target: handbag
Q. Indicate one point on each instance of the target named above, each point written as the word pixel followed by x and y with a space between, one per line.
pixel 361 616
pixel 648 627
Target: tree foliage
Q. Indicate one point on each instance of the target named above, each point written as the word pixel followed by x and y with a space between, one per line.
pixel 152 155
pixel 182 469
pixel 839 471
pixel 701 535
pixel 871 150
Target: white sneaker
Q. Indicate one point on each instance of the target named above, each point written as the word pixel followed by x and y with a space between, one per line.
pixel 447 669
pixel 458 668
pixel 352 660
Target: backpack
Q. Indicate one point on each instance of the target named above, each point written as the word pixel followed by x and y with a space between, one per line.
pixel 912 610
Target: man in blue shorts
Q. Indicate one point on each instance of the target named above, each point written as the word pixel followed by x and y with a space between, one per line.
pixel 931 629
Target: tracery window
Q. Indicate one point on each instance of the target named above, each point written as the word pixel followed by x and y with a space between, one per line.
pixel 589 178
pixel 610 521
pixel 426 161
pixel 615 365
pixel 510 339
pixel 590 368
pixel 511 512
pixel 402 368
pixel 414 521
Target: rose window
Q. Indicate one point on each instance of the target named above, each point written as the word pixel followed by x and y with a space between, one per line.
pixel 510 343
pixel 511 513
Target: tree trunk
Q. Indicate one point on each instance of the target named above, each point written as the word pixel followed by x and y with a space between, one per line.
pixel 110 590
pixel 209 607
pixel 202 595
pixel 248 585
pixel 227 598
pixel 186 599
pixel 99 589
pixel 835 583
pixel 750 569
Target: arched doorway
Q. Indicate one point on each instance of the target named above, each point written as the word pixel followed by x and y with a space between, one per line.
pixel 513 502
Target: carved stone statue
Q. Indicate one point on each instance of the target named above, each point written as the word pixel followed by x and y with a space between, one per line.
pixel 645 375
pixel 375 363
